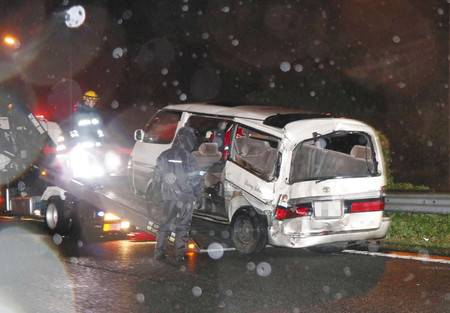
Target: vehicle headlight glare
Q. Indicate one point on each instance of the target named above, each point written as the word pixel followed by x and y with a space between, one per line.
pixel 112 161
pixel 84 164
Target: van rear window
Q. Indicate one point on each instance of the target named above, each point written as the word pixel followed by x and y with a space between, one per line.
pixel 336 155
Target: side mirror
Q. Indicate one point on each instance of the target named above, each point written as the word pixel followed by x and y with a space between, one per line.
pixel 139 135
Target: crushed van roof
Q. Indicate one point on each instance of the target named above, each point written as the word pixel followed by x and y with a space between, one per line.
pixel 271 115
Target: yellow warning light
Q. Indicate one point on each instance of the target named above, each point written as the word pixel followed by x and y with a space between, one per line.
pixel 11 41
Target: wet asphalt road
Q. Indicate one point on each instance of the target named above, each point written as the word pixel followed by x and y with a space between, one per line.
pixel 39 274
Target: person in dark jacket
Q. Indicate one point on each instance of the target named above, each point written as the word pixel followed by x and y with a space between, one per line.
pixel 86 122
pixel 177 178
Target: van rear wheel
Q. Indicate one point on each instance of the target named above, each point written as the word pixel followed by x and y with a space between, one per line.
pixel 248 231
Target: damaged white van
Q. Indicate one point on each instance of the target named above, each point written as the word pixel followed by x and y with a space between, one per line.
pixel 277 176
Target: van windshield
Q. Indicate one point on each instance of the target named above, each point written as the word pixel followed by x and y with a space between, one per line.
pixel 336 155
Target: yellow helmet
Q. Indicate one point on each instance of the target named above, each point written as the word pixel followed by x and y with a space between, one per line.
pixel 90 95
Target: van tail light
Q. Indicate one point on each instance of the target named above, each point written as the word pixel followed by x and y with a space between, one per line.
pixel 367 206
pixel 282 213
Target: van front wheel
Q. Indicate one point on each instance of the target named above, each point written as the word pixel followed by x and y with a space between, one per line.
pixel 248 231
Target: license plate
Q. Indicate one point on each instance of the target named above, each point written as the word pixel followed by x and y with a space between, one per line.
pixel 328 209
pixel 111 227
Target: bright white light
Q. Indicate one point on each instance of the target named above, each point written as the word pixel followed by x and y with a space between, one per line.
pixel 74 133
pixel 87 144
pixel 83 163
pixel 84 122
pixel 60 139
pixel 110 217
pixel 60 148
pixel 100 213
pixel 37 212
pixel 100 133
pixel 112 161
pixel 125 225
pixel 95 121
pixel 75 16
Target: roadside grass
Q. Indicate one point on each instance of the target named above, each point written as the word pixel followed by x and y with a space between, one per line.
pixel 419 231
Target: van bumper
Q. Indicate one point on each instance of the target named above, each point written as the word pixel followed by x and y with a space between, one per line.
pixel 303 240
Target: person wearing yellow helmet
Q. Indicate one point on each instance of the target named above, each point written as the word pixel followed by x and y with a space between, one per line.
pixel 90 98
pixel 86 122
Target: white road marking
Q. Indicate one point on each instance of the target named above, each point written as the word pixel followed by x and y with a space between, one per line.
pixel 216 250
pixel 433 259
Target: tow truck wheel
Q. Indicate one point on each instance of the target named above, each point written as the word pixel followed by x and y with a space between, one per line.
pixel 56 219
pixel 248 231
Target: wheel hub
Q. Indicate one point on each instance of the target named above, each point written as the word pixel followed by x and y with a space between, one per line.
pixel 245 231
pixel 51 216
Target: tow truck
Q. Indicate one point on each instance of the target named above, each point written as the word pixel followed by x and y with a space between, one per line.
pixel 29 188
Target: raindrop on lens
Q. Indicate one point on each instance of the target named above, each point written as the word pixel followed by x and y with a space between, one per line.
pixel 205 36
pixel 183 97
pixel 115 104
pixel 127 14
pixel 401 85
pixel 263 269
pixel 251 266
pixel 298 68
pixel 80 244
pixel 326 289
pixel 215 251
pixel 228 292
pixel 447 297
pixel 75 16
pixel 226 9
pixel 140 298
pixel 57 239
pixel 423 253
pixel 396 39
pixel 185 8
pixel 235 42
pixel 117 53
pixel 197 291
pixel 347 271
pixel 285 66
pixel 225 234
pixel 409 277
pixel 164 71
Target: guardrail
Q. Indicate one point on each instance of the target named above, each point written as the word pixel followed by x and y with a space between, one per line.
pixel 418 203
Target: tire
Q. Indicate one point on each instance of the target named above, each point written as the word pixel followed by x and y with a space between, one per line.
pixel 249 231
pixel 57 219
pixel 329 248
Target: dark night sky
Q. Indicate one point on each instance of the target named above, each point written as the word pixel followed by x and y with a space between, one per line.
pixel 385 62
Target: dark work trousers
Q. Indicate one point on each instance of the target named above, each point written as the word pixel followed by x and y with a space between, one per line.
pixel 179 217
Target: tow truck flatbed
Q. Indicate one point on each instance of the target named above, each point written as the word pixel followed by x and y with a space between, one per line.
pixel 115 195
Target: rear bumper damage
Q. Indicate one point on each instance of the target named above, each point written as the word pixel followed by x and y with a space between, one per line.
pixel 303 240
